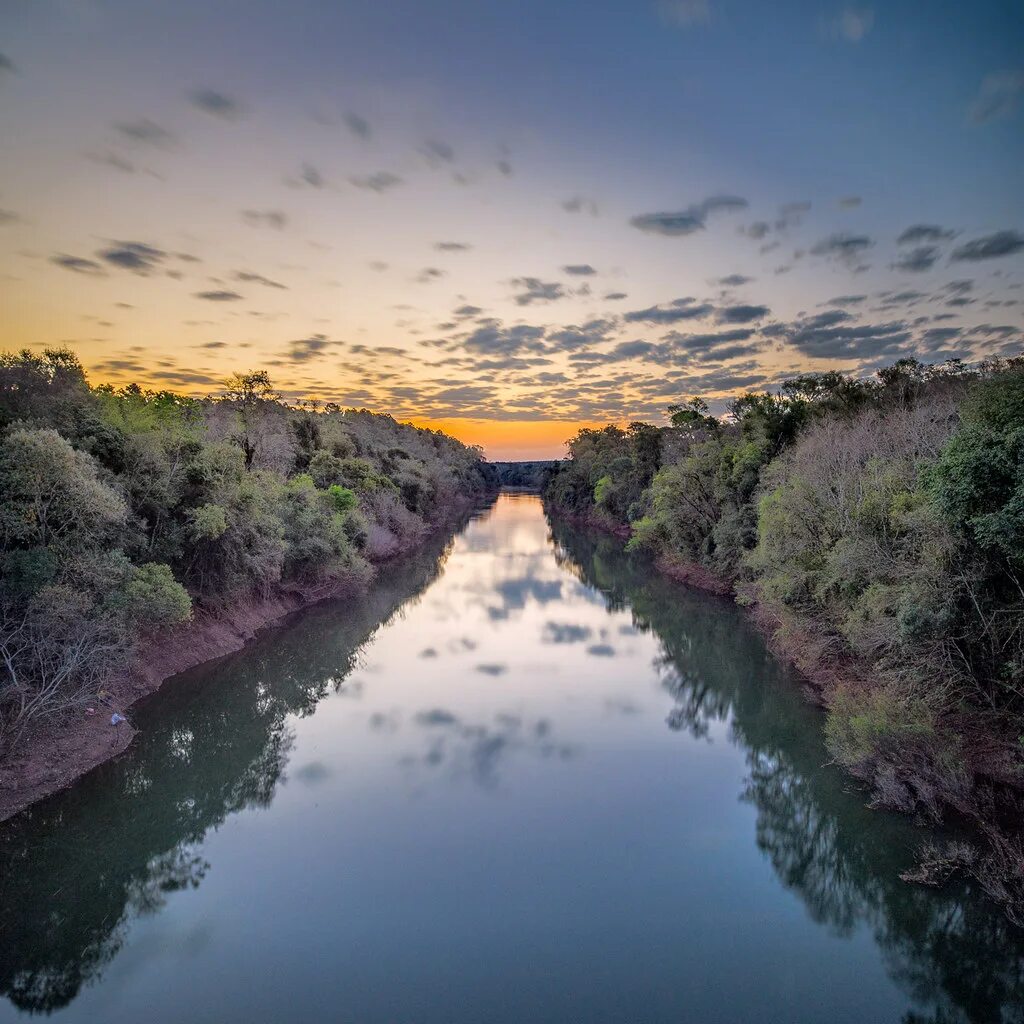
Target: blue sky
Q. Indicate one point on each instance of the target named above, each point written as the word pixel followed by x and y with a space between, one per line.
pixel 319 188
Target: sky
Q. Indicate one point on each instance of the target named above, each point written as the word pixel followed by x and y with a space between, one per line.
pixel 509 220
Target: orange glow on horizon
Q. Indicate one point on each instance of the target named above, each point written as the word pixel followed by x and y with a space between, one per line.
pixel 512 440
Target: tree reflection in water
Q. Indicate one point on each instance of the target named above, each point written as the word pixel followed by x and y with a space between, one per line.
pixel 950 949
pixel 77 869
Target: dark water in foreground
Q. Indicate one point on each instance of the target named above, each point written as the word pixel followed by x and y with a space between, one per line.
pixel 526 780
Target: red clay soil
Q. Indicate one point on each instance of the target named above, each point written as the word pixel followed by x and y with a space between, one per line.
pixel 59 752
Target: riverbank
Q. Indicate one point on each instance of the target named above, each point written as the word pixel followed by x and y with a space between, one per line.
pixel 58 753
pixel 982 796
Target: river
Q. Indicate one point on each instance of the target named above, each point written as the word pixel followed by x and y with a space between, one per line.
pixel 525 779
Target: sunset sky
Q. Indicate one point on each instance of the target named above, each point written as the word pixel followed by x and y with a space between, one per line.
pixel 507 219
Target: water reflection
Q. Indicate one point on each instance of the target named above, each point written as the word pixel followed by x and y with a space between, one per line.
pixel 950 948
pixel 488 771
pixel 75 870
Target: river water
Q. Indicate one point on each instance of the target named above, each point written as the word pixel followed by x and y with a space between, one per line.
pixel 524 780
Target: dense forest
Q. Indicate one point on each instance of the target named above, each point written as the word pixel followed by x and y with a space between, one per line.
pixel 528 475
pixel 878 526
pixel 126 511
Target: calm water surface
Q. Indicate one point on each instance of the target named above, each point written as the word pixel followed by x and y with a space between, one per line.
pixel 526 780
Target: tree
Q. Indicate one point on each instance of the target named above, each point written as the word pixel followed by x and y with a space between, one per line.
pixel 52 494
pixel 253 399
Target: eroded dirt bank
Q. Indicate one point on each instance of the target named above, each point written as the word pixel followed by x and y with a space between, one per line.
pixel 57 753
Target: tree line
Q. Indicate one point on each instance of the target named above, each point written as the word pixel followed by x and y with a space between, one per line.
pixel 125 510
pixel 880 522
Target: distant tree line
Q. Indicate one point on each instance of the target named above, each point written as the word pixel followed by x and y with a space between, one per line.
pixel 881 522
pixel 529 475
pixel 122 510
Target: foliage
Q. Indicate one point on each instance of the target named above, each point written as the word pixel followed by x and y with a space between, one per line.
pixel 884 516
pixel 122 509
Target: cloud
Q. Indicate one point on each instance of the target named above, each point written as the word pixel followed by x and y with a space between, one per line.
pixel 428 274
pixel 146 133
pixel 9 217
pixel 138 257
pixel 249 277
pixel 917 233
pixel 578 269
pixel 309 175
pixel 686 222
pixel 436 716
pixel 850 202
pixel 851 24
pixel 220 295
pixel 741 314
pixel 685 13
pixel 357 125
pixel 680 309
pixel 918 259
pixel 495 339
pixel 452 246
pixel 304 349
pixel 1001 243
pixel 579 204
pixel 997 96
pixel 616 296
pixel 436 151
pixel 536 290
pixel 734 280
pixel 381 181
pixel 215 103
pixel 505 167
pixel 6 65
pixel 845 247
pixel 834 335
pixel 78 264
pixel 276 219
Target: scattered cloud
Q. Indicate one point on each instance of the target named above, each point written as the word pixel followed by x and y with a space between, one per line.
pixel 734 280
pixel 741 314
pixel 437 152
pixel 998 96
pixel 215 103
pixel 78 264
pixel 849 202
pixel 842 246
pixel 686 222
pixel 357 125
pixel 146 133
pixel 9 217
pixel 919 259
pixel 452 246
pixel 276 219
pixel 305 349
pixel 680 309
pixel 836 335
pixel 536 290
pixel 1000 243
pixel 579 204
pixel 220 295
pixel 918 233
pixel 379 182
pixel 578 269
pixel 428 274
pixel 138 257
pixel 6 65
pixel 249 277
pixel 309 175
